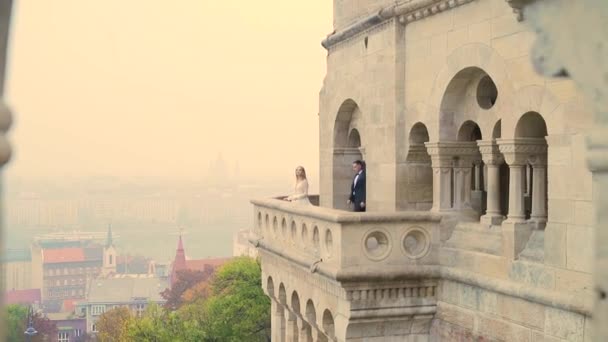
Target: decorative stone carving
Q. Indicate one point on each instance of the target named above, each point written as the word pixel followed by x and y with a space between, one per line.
pixel 406 11
pixel 377 244
pixel 518 151
pixel 415 243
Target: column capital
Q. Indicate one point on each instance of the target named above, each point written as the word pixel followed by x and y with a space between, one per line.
pixel 490 153
pixel 517 152
pixel 452 148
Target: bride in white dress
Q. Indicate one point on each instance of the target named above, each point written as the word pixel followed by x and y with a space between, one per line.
pixel 300 194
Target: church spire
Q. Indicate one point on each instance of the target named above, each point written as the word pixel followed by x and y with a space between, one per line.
pixel 179 263
pixel 109 238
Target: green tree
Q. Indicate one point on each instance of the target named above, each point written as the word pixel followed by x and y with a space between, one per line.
pixel 160 325
pixel 237 310
pixel 113 325
pixel 17 320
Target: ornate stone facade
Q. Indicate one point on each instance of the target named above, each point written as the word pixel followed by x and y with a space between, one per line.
pixel 480 203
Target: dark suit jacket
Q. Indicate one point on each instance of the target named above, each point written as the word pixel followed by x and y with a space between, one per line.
pixel 357 192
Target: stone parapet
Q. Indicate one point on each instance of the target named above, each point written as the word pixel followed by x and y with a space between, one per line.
pixel 340 240
pixel 405 11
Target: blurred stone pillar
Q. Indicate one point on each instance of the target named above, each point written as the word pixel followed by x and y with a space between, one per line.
pixel 5 123
pixel 571 42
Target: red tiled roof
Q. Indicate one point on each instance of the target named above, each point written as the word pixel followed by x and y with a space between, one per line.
pixel 200 264
pixel 68 305
pixel 63 255
pixel 22 296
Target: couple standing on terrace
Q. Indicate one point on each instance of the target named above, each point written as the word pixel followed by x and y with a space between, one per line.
pixel 357 187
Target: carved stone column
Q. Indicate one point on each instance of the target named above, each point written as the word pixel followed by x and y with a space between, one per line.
pixel 539 191
pixel 462 183
pixel 466 153
pixel 5 123
pixel 493 159
pixel 478 169
pixel 441 162
pixel 515 229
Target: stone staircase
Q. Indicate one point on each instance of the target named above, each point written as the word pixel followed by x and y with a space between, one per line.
pixel 476 237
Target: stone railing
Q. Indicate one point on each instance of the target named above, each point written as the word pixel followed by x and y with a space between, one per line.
pixel 347 245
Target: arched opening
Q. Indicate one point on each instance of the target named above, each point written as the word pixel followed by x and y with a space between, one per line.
pixel 328 324
pixel 471 89
pixel 282 294
pixel 295 302
pixel 531 125
pixel 497 131
pixel 270 287
pixel 347 148
pixel 469 131
pixel 416 188
pixel 354 139
pixel 311 314
pixel 531 129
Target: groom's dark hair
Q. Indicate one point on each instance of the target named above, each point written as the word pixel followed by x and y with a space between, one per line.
pixel 360 162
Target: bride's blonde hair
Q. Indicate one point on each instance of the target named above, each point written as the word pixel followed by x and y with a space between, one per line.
pixel 303 172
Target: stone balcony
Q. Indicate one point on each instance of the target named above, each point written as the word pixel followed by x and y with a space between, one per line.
pixel 369 267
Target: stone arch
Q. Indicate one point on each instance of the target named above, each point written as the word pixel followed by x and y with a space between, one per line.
pixel 415 188
pixel 469 131
pixel 497 130
pixel 346 149
pixel 311 314
pixel 282 294
pixel 538 99
pixel 354 139
pixel 532 128
pixel 270 287
pixel 531 125
pixel 457 83
pixel 328 324
pixel 419 134
pixel 295 302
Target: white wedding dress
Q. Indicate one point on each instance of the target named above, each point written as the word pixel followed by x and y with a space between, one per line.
pixel 300 195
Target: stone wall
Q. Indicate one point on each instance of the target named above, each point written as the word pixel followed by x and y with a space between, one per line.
pixel 403 74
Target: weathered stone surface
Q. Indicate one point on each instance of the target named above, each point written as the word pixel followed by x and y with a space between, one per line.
pixel 423 63
pixel 563 324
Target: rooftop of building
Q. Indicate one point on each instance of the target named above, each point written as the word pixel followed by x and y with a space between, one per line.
pixel 124 289
pixel 71 254
pixel 29 296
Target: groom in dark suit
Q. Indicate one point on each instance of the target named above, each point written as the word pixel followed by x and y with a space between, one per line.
pixel 357 188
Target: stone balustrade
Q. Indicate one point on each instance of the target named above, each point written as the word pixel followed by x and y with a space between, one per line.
pixel 346 244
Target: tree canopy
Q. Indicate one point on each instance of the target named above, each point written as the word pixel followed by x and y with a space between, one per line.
pixel 226 306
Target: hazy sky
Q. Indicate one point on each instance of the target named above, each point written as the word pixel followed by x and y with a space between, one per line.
pixel 156 89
